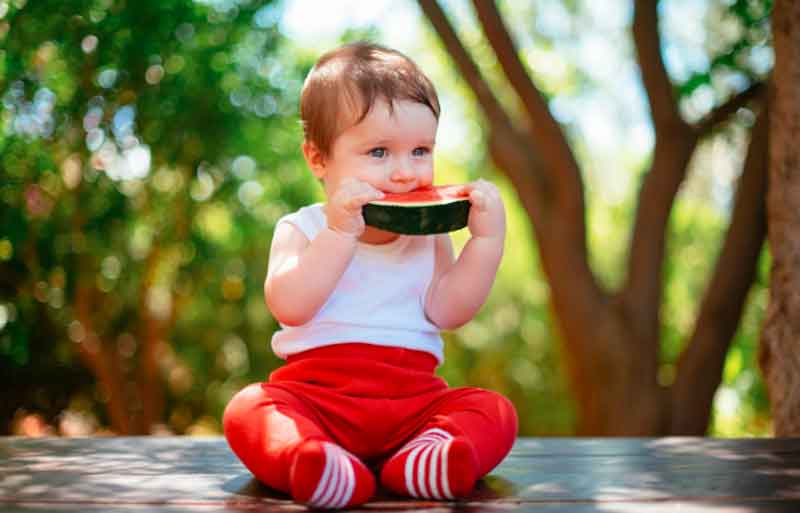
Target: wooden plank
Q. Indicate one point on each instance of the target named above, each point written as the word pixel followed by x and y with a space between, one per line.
pixel 747 506
pixel 655 447
pixel 582 447
pixel 195 474
pixel 147 455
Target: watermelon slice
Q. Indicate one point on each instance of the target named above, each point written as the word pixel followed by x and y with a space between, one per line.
pixel 434 209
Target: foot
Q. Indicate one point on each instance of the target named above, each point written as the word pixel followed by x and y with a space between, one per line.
pixel 325 476
pixel 433 465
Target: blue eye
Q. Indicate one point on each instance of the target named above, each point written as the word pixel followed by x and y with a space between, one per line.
pixel 420 152
pixel 377 152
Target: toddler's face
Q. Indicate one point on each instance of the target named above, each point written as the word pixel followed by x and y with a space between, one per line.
pixel 390 150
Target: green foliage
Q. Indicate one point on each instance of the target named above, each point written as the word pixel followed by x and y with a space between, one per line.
pixel 741 33
pixel 147 150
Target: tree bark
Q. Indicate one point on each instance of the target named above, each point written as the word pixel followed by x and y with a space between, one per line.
pixel 611 339
pixel 779 351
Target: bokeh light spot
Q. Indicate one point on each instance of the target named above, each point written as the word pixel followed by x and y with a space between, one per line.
pixel 6 250
pixel 154 74
pixel 89 43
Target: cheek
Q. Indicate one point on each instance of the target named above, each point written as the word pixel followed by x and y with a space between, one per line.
pixel 374 171
pixel 423 163
pixel 355 166
pixel 425 169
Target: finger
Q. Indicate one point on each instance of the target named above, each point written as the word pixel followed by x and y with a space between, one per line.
pixel 370 193
pixel 487 187
pixel 494 190
pixel 355 187
pixel 362 198
pixel 491 193
pixel 484 187
pixel 478 199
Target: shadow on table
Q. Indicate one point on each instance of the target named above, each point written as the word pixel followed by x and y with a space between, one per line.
pixel 491 487
pixel 248 486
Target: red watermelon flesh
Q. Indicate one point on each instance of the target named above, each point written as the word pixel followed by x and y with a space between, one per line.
pixel 425 196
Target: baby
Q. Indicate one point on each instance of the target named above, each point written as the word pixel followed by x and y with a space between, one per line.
pixel 361 309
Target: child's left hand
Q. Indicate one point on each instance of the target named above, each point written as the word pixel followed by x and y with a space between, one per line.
pixel 487 216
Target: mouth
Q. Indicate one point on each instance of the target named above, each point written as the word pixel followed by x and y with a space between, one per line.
pixel 409 189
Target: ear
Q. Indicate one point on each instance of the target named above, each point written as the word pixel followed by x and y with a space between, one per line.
pixel 314 158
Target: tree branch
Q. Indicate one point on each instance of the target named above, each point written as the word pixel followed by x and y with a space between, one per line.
pixel 545 133
pixel 641 293
pixel 575 293
pixel 510 149
pixel 663 107
pixel 700 367
pixel 675 143
pixel 151 333
pixel 101 360
pixel 721 113
pixel 491 107
pixel 559 224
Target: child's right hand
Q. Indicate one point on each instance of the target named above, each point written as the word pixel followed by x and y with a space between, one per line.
pixel 345 203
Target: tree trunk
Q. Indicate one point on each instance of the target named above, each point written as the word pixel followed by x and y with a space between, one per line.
pixel 780 349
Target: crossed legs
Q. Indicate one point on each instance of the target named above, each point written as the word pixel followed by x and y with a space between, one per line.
pixel 283 441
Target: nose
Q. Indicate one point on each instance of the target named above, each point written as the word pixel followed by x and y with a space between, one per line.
pixel 403 174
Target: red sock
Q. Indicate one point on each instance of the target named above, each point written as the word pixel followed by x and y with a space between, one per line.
pixel 325 476
pixel 434 465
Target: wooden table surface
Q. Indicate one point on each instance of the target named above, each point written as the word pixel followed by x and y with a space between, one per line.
pixel 553 475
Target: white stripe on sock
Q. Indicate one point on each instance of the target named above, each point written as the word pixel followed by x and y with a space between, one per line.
pixel 428 454
pixel 333 489
pixel 337 483
pixel 333 480
pixel 350 482
pixel 441 433
pixel 426 438
pixel 346 482
pixel 322 486
pixel 433 467
pixel 420 470
pixel 409 470
pixel 445 479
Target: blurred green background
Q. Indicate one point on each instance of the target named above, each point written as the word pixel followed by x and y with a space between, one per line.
pixel 147 149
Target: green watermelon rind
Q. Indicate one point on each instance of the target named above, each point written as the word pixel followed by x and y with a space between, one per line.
pixel 419 218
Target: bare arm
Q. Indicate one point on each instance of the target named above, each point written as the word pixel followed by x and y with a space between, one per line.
pixel 302 274
pixel 459 288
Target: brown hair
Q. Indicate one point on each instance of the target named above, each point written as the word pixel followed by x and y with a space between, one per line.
pixel 346 82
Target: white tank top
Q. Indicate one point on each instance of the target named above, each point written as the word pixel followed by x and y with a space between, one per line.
pixel 380 298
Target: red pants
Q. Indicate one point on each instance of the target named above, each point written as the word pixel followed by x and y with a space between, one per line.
pixel 368 399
